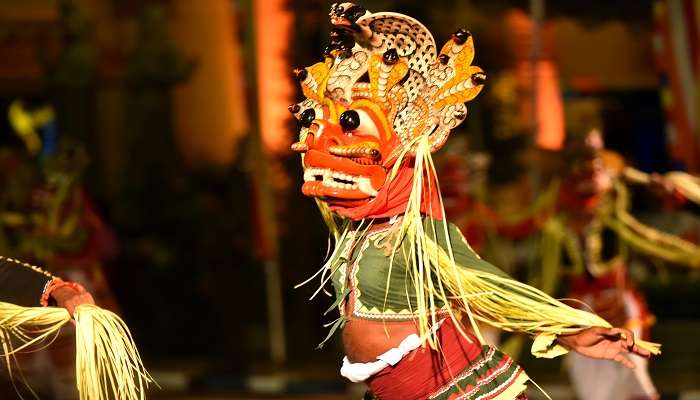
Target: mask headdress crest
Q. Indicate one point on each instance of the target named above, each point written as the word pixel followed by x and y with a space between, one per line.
pixel 392 60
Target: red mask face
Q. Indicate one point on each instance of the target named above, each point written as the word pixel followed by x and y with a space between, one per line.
pixel 348 154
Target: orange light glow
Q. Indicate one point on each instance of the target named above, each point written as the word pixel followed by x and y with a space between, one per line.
pixel 211 108
pixel 549 107
pixel 272 26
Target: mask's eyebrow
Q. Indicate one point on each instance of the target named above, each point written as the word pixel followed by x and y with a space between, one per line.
pixel 376 114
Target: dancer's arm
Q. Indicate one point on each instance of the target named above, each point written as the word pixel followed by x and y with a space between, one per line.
pixel 490 296
pixel 30 286
pixel 22 284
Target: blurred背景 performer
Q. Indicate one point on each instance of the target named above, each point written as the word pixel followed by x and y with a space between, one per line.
pixel 593 216
pixel 407 284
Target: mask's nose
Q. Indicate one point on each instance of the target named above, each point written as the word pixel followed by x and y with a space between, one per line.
pixel 328 134
pixel 320 136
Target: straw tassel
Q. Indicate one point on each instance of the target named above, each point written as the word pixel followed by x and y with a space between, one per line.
pixel 108 365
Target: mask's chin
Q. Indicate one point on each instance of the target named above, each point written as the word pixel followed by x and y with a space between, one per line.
pixel 336 197
pixel 346 203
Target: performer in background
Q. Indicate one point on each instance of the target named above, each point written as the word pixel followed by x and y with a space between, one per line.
pixel 595 232
pixel 47 218
pixel 407 284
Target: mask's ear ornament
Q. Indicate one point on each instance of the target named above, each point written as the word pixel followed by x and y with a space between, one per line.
pixel 381 88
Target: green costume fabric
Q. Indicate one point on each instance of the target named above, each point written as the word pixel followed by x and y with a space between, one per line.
pixel 360 271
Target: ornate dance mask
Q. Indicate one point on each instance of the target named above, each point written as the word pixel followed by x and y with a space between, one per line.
pixel 380 90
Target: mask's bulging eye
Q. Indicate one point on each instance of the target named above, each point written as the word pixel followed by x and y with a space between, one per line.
pixel 307 117
pixel 349 120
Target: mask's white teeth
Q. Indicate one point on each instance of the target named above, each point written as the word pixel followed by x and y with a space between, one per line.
pixel 308 175
pixel 365 186
pixel 329 177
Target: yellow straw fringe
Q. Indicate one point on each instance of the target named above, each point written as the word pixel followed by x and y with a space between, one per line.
pixel 514 306
pixel 108 365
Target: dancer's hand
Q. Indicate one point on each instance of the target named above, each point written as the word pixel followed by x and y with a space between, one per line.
pixel 70 298
pixel 604 343
pixel 660 186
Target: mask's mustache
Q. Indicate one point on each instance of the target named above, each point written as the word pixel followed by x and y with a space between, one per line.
pixel 355 151
pixel 300 147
